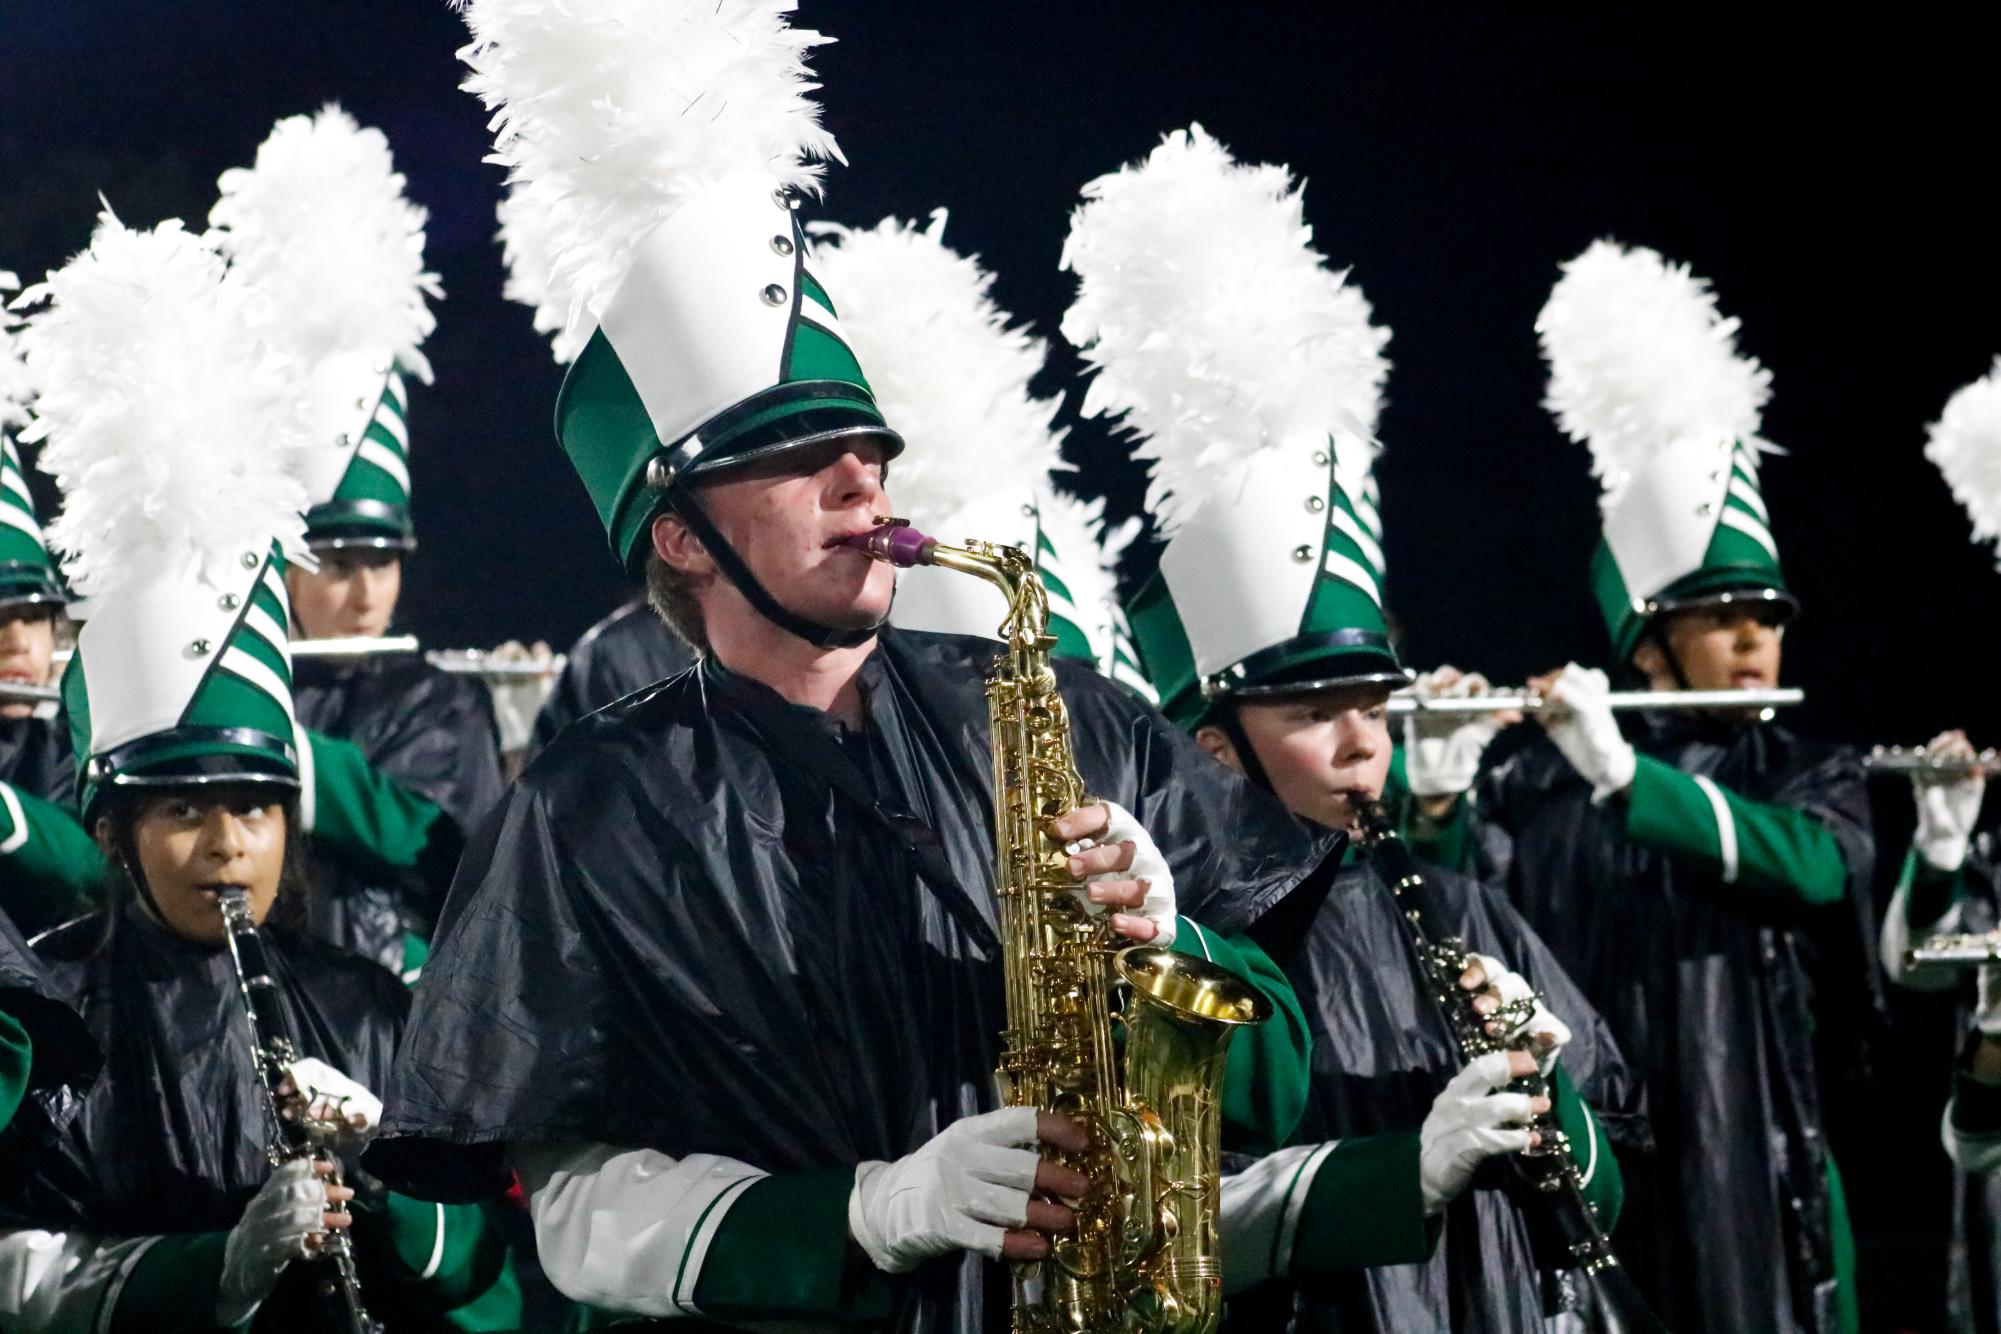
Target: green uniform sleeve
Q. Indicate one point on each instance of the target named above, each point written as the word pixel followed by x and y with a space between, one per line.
pixel 171 1288
pixel 1364 1207
pixel 49 867
pixel 366 814
pixel 1765 847
pixel 17 1058
pixel 782 1252
pixel 1604 1185
pixel 1269 1064
pixel 418 1258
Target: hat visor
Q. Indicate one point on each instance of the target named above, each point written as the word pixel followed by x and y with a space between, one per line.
pixel 373 525
pixel 196 757
pixel 1778 603
pixel 1323 661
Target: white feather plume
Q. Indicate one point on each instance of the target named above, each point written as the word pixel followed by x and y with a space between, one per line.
pixel 169 427
pixel 1639 357
pixel 523 214
pixel 320 231
pixel 1213 325
pixel 617 111
pixel 1966 445
pixel 16 385
pixel 949 369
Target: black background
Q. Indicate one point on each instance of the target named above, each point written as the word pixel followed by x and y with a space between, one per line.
pixel 1834 179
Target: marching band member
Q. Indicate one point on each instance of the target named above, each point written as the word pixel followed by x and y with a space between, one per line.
pixel 320 230
pixel 151 1203
pixel 1250 376
pixel 1688 870
pixel 722 980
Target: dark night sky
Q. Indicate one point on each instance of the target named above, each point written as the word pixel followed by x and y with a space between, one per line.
pixel 1828 180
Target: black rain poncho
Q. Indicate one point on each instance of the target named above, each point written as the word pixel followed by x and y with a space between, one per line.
pixel 678 934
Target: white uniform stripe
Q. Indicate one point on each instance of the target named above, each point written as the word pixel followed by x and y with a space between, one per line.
pixel 309 807
pixel 821 317
pixel 437 1245
pixel 387 459
pixel 710 1221
pixel 1747 493
pixel 1372 551
pixel 1749 526
pixel 1295 1205
pixel 1347 570
pixel 240 664
pixel 1591 1137
pixel 275 584
pixel 396 390
pixel 19 834
pixel 1726 827
pixel 386 418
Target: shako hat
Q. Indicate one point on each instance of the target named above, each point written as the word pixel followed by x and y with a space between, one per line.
pixel 173 433
pixel 954 372
pixel 1250 377
pixel 1645 371
pixel 27 572
pixel 665 144
pixel 322 235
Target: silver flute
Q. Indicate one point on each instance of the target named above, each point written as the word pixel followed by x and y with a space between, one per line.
pixel 296 1135
pixel 458 661
pixel 1622 701
pixel 1921 763
pixel 1955 951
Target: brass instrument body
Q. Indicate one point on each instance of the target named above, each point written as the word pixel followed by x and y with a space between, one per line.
pixel 1144 1258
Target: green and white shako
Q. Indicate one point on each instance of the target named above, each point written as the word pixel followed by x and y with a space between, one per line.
pixel 1644 370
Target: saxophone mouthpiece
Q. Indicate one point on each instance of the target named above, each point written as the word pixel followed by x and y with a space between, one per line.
pixel 894 541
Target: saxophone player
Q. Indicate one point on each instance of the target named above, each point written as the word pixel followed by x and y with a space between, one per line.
pixel 1264 633
pixel 720 980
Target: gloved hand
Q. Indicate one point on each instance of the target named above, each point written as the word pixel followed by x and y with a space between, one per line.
pixel 1123 868
pixel 1987 1013
pixel 963 1191
pixel 1948 808
pixel 517 699
pixel 1577 714
pixel 1507 993
pixel 1471 1122
pixel 1441 751
pixel 332 1096
pixel 283 1222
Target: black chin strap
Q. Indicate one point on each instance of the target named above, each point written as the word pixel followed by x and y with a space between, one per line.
pixel 1660 639
pixel 690 512
pixel 1247 754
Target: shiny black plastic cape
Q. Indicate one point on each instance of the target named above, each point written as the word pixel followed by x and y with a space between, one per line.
pixel 35 756
pixel 626 651
pixel 1381 1053
pixel 1713 993
pixel 431 731
pixel 63 1052
pixel 677 934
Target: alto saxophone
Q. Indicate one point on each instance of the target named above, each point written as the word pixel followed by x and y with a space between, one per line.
pixel 1144 1256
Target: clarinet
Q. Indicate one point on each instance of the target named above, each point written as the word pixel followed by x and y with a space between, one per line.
pixel 1548 1184
pixel 299 1135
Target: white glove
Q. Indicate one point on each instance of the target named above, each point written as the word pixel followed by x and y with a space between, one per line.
pixel 1441 751
pixel 1469 1123
pixel 1577 713
pixel 332 1096
pixel 518 699
pixel 1148 865
pixel 1987 1014
pixel 1513 988
pixel 1947 808
pixel 272 1233
pixel 961 1192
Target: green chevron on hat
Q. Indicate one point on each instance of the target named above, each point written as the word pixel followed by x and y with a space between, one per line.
pixel 181 681
pixel 1271 586
pixel 361 494
pixel 27 574
pixel 720 348
pixel 1692 529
